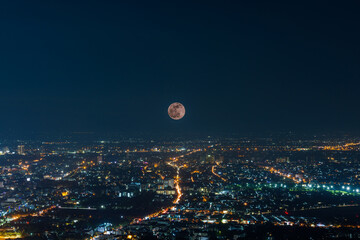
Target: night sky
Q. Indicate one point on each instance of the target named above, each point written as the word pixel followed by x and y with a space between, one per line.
pixel 237 66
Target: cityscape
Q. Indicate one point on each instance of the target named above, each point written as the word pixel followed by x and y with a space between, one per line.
pixel 179 120
pixel 209 188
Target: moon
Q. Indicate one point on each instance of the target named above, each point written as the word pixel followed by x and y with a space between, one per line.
pixel 176 111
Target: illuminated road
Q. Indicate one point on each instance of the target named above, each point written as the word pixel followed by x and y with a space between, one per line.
pixel 177 182
pixel 308 208
pixel 177 187
pixel 285 175
pixel 15 217
pixel 10 235
pixel 213 171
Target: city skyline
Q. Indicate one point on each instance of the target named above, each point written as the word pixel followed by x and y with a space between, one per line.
pixel 134 188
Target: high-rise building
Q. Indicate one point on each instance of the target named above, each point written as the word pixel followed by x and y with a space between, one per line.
pixel 20 150
pixel 220 159
pixel 209 159
pixel 5 150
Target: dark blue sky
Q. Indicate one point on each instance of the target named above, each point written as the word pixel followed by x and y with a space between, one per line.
pixel 237 66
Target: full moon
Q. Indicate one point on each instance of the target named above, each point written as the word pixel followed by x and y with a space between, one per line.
pixel 176 111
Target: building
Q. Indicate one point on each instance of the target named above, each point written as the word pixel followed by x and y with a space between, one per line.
pixel 162 190
pixel 169 183
pixel 210 159
pixel 283 160
pixel 20 150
